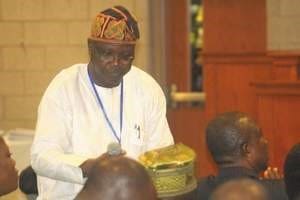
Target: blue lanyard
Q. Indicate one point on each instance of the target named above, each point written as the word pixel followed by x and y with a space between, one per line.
pixel 104 112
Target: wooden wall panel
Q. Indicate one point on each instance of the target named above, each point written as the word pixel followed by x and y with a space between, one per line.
pixel 265 119
pixel 285 65
pixel 228 84
pixel 177 46
pixel 234 54
pixel 234 26
pixel 279 114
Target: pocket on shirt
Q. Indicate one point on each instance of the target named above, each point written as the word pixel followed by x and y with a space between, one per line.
pixel 136 143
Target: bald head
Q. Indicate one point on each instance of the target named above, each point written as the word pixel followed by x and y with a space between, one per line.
pixel 245 189
pixel 118 177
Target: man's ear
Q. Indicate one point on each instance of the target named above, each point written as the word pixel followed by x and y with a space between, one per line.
pixel 245 148
pixel 91 48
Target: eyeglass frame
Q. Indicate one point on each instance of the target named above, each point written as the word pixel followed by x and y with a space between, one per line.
pixel 107 56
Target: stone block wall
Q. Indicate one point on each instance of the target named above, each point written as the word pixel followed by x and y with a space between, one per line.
pixel 283 19
pixel 38 38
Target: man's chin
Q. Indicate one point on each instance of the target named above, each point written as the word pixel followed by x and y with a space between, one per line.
pixel 113 83
pixel 264 167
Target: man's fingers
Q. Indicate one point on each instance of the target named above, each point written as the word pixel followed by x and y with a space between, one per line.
pixel 272 173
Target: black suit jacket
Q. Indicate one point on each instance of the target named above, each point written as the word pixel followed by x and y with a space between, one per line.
pixel 207 185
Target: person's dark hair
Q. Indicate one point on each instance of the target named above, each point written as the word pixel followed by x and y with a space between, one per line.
pixel 131 21
pixel 292 172
pixel 226 135
pixel 28 181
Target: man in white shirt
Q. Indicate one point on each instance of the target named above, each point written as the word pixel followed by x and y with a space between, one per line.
pixel 88 106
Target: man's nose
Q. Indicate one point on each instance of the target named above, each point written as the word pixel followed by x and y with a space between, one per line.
pixel 116 60
pixel 13 162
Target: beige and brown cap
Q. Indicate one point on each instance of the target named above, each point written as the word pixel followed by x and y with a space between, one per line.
pixel 115 25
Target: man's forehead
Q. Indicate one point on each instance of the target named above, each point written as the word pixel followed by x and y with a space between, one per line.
pixel 3 147
pixel 114 46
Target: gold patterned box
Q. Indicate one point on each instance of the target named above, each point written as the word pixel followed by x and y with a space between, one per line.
pixel 171 169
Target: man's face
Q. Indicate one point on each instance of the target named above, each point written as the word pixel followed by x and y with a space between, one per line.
pixel 8 172
pixel 259 152
pixel 110 62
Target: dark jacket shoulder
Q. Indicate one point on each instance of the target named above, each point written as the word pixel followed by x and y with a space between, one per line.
pixel 207 185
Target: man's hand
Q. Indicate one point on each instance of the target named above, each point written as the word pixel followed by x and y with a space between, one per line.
pixel 272 173
pixel 87 165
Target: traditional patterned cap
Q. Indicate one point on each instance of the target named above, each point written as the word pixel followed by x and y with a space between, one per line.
pixel 115 25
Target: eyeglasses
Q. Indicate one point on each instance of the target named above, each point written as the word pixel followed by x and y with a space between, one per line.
pixel 109 56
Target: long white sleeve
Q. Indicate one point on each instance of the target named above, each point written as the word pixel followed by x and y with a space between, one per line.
pixel 51 150
pixel 156 121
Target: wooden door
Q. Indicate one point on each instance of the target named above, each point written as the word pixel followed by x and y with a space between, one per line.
pixel 187 121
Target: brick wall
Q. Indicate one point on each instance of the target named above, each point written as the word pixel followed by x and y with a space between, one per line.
pixel 40 37
pixel 283 24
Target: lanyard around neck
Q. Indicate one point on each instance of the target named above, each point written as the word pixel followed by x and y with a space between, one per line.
pixel 104 111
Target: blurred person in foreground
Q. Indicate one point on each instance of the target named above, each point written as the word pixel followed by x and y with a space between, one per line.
pixel 239 149
pixel 240 189
pixel 292 173
pixel 117 177
pixel 88 106
pixel 8 171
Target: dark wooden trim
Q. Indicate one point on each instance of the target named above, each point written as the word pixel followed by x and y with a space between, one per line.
pixel 276 87
pixel 238 58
